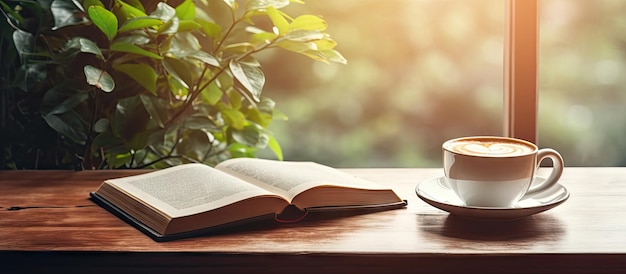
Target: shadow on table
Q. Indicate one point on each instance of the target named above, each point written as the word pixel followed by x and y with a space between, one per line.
pixel 288 221
pixel 541 227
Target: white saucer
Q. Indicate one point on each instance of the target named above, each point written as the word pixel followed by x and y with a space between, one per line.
pixel 436 192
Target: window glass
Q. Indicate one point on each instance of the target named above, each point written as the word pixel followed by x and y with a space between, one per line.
pixel 419 72
pixel 582 67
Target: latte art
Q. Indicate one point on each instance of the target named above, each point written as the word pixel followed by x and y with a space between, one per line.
pixel 489 148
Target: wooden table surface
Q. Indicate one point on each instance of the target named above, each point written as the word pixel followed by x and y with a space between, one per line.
pixel 48 223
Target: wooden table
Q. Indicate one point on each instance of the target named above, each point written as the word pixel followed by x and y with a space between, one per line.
pixel 48 223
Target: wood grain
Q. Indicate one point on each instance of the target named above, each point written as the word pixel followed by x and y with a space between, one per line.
pixel 56 226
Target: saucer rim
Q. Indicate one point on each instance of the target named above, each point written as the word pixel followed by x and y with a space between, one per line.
pixel 492 213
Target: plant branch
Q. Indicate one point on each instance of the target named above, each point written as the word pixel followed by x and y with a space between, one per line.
pixel 101 158
pixel 197 88
pixel 168 156
pixel 228 31
pixel 132 157
pixel 87 154
pixel 159 160
pixel 194 95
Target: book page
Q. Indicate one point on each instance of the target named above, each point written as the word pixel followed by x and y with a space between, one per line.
pixel 188 189
pixel 291 178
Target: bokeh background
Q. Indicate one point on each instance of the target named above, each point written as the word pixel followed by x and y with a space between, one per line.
pixel 423 71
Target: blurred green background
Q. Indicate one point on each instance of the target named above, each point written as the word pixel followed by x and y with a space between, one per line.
pixel 423 71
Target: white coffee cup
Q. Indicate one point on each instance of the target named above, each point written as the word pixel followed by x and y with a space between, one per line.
pixel 489 171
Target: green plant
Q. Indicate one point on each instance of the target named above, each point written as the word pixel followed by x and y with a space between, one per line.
pixel 134 84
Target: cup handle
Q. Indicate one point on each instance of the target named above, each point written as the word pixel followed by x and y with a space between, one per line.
pixel 557 169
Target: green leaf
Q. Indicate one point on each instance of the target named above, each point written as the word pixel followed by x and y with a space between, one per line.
pixel 311 50
pixel 308 22
pixel 325 44
pixel 262 118
pixel 242 47
pixel 101 125
pixel 142 73
pixel 264 4
pixel 99 78
pixel 205 57
pixel 123 46
pixel 195 144
pixel 135 38
pixel 281 24
pixel 105 138
pixel 315 55
pixel 233 117
pixel 140 23
pixel 65 13
pixel 119 157
pixel 234 98
pixel 231 3
pixel 89 3
pixel 130 11
pixel 177 86
pixel 170 27
pixel 12 13
pixel 266 105
pixel 186 10
pixel 140 140
pixel 212 30
pixel 212 93
pixel 304 35
pixel 297 46
pixel 179 70
pixel 263 37
pixel 69 124
pixel 59 95
pixel 278 115
pixel 250 61
pixel 263 114
pixel 28 76
pixel 238 150
pixel 130 120
pixel 325 56
pixel 188 25
pixel 85 45
pixel 275 147
pixel 89 46
pixel 115 152
pixel 24 42
pixel 200 122
pixel 69 104
pixel 250 77
pixel 157 108
pixel 104 20
pixel 182 44
pixel 225 81
pixel 251 136
pixel 164 11
pixel 135 4
pixel 334 56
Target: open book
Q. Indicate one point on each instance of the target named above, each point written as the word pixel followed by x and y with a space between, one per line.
pixel 190 199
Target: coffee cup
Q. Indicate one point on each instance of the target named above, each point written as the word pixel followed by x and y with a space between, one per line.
pixel 489 171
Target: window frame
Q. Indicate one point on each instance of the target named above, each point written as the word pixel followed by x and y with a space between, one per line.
pixel 520 69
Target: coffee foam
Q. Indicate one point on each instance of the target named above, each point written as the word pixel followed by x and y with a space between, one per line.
pixel 489 147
